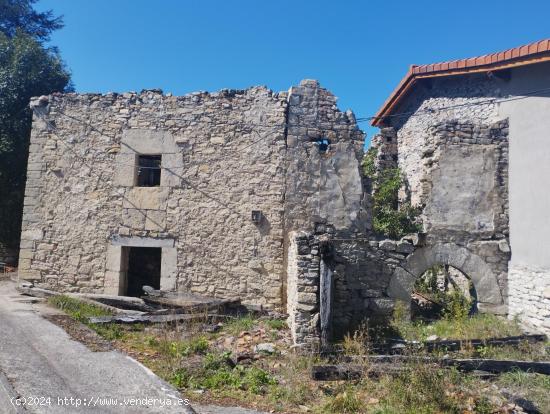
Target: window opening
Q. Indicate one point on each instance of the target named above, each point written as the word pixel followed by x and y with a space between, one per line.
pixel 148 170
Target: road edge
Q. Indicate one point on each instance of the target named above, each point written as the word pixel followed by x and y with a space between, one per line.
pixel 7 389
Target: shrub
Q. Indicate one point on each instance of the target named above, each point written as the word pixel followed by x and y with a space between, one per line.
pixel 255 380
pixel 422 388
pixel 193 346
pixel 217 373
pixel 358 343
pixel 390 218
pixel 223 378
pixel 368 163
pixel 109 331
pixel 216 361
pixel 456 306
pixel 181 378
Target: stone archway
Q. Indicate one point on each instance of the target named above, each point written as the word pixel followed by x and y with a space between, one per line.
pixel 488 291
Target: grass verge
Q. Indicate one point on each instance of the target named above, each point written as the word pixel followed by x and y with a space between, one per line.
pixel 224 368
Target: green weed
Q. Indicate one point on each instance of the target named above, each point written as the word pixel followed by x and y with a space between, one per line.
pixel 77 309
pixel 277 324
pixel 240 324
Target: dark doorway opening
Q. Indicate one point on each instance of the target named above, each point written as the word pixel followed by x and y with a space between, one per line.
pixel 143 269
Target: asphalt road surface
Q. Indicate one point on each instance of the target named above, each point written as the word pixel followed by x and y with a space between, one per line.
pixel 54 374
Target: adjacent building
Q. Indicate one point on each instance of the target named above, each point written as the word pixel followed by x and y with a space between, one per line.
pixel 473 141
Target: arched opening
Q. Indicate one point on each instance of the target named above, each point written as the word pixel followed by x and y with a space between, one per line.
pixel 488 292
pixel 443 291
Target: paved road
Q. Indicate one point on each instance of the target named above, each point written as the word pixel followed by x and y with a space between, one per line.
pixel 38 359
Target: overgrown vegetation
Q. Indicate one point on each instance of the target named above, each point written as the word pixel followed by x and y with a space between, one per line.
pixel 390 217
pixel 453 303
pixel 426 389
pixel 459 326
pixel 222 366
pixel 81 311
pixel 78 309
pixel 533 387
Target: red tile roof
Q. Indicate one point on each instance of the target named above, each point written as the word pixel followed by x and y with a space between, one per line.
pixel 518 56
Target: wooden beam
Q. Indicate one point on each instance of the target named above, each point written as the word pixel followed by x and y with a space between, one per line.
pixel 400 345
pixel 394 364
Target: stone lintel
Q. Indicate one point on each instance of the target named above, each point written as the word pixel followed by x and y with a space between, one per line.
pixel 117 240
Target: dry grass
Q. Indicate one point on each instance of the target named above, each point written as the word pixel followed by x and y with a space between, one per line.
pixel 205 367
pixel 534 387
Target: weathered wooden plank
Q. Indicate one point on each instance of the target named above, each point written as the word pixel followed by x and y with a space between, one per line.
pixel 352 372
pixel 498 366
pixel 146 319
pixel 400 345
pixel 470 364
pixel 336 372
pixel 392 364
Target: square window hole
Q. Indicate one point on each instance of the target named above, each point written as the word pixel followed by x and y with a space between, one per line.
pixel 148 170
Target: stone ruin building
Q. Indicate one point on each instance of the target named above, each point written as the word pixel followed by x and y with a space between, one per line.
pixel 201 193
pixel 472 141
pixel 258 195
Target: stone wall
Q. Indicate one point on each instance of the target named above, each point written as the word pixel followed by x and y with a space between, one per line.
pixel 467 181
pixel 434 102
pixel 465 215
pixel 385 145
pixel 453 151
pixel 303 288
pixel 322 186
pixel 465 191
pixel 224 155
pixel 529 296
pixel 362 272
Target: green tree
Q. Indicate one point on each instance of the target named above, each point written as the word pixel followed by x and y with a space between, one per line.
pixel 389 216
pixel 19 15
pixel 27 68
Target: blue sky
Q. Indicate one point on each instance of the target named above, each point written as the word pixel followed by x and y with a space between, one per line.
pixel 357 49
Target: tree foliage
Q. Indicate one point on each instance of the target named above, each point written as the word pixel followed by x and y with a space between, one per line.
pixel 27 69
pixel 390 217
pixel 19 15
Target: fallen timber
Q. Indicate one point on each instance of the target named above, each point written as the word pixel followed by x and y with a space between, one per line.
pixel 148 318
pixel 471 364
pixel 381 364
pixel 397 346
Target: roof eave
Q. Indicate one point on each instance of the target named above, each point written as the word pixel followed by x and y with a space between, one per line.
pixel 454 68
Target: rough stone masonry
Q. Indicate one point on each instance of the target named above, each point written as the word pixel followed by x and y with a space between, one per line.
pixel 258 191
pixel 225 157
